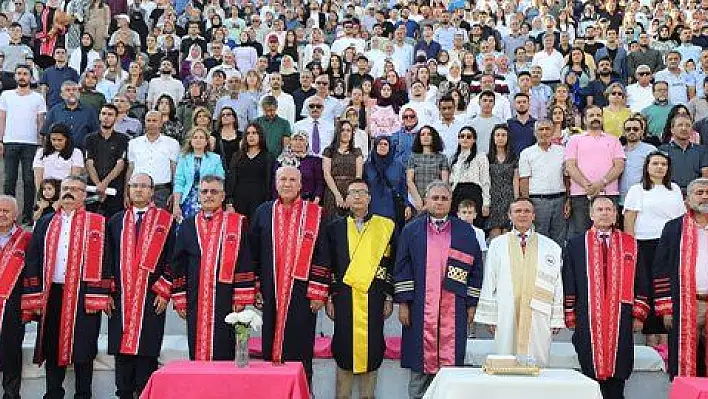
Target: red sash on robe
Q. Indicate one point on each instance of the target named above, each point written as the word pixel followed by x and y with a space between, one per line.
pixel 606 299
pixel 12 260
pixel 85 256
pixel 138 258
pixel 688 337
pixel 218 237
pixel 294 230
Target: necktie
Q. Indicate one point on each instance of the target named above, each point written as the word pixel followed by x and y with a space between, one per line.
pixel 605 254
pixel 522 238
pixel 139 222
pixel 315 137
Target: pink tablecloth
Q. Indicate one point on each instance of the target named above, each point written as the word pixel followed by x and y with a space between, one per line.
pixel 689 388
pixel 204 380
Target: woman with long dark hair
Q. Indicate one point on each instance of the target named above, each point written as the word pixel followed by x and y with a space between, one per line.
pixel 678 109
pixel 58 158
pixel 469 173
pixel 426 163
pixel 386 177
pixel 171 126
pixel 248 179
pixel 504 176
pixel 647 207
pixel 576 74
pixel 83 56
pixel 227 139
pixel 342 162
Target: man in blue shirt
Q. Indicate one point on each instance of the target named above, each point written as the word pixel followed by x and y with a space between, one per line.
pixel 81 120
pixel 55 75
pixel 521 128
pixel 411 26
pixel 428 45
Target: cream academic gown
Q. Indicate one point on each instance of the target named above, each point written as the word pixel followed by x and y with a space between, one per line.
pixel 526 330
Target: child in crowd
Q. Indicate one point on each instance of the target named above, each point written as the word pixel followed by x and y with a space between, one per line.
pixel 467 211
pixel 47 197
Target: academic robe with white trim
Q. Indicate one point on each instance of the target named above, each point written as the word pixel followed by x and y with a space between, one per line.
pixel 598 313
pixel 152 326
pixel 12 330
pixel 670 288
pixel 215 336
pixel 457 288
pixel 299 331
pixel 546 302
pixel 82 338
pixel 360 351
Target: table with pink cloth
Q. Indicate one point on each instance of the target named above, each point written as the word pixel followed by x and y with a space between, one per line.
pixel 689 388
pixel 204 380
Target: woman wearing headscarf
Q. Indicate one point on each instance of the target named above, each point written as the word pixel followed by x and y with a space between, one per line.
pixel 83 56
pixel 386 177
pixel 312 178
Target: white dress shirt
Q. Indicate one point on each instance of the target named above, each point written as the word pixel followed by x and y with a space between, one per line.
pixel 325 128
pixel 153 158
pixel 702 262
pixel 551 64
pixel 63 248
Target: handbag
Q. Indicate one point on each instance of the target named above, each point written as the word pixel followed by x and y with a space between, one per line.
pixel 399 202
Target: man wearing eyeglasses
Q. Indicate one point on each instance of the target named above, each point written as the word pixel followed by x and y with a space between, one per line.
pixel 68 283
pixel 360 250
pixel 332 107
pixel 639 94
pixel 212 273
pixel 437 280
pixel 141 239
pixel 26 20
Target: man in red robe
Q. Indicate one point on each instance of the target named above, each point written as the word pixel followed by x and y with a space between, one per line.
pixel 605 298
pixel 680 275
pixel 141 239
pixel 213 273
pixel 13 244
pixel 291 267
pixel 68 282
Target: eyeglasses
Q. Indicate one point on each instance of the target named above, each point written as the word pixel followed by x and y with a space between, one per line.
pixel 357 192
pixel 315 106
pixel 140 185
pixel 409 116
pixel 643 73
pixel 464 136
pixel 212 191
pixel 617 93
pixel 440 198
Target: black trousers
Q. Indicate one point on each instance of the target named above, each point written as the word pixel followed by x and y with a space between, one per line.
pixel 55 373
pixel 612 388
pixel 132 374
pixel 11 378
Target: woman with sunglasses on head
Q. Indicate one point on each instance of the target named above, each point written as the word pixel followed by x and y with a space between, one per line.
pixel 504 176
pixel 614 114
pixel 248 178
pixel 426 164
pixel 647 207
pixel 469 173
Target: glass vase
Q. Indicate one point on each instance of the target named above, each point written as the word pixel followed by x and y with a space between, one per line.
pixel 242 356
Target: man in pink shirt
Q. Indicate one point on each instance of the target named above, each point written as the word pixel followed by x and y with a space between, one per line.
pixel 594 161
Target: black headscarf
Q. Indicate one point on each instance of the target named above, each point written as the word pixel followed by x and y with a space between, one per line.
pixel 84 53
pixel 379 163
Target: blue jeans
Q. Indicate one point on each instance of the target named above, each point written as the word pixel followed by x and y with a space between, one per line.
pixel 14 154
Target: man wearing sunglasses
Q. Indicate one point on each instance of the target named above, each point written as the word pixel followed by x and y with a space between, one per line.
pixel 636 152
pixel 319 129
pixel 212 254
pixel 437 279
pixel 639 94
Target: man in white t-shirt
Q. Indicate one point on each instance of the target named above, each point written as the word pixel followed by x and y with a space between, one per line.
pixel 22 113
pixel 640 94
